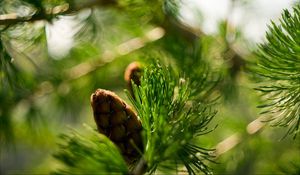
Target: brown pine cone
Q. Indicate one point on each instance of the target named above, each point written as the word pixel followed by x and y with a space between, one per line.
pixel 133 72
pixel 119 122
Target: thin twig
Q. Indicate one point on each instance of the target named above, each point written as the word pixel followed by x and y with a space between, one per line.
pixel 13 18
pixel 108 56
pixel 236 138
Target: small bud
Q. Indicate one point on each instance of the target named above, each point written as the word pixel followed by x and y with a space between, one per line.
pixel 133 73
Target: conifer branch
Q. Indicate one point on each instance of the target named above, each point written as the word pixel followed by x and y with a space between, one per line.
pixel 170 124
pixel 279 67
pixel 95 154
pixel 188 32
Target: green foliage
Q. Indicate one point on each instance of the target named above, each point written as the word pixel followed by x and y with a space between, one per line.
pixel 95 154
pixel 19 75
pixel 28 74
pixel 173 103
pixel 171 121
pixel 279 65
pixel 203 79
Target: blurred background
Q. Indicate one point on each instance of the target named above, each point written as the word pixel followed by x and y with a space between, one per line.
pixel 50 65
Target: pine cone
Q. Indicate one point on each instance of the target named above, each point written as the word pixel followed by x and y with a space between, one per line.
pixel 119 122
pixel 133 72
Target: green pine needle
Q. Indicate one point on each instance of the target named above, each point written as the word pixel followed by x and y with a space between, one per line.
pixel 279 64
pixel 89 155
pixel 171 121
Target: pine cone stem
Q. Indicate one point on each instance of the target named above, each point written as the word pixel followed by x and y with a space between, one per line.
pixel 140 168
